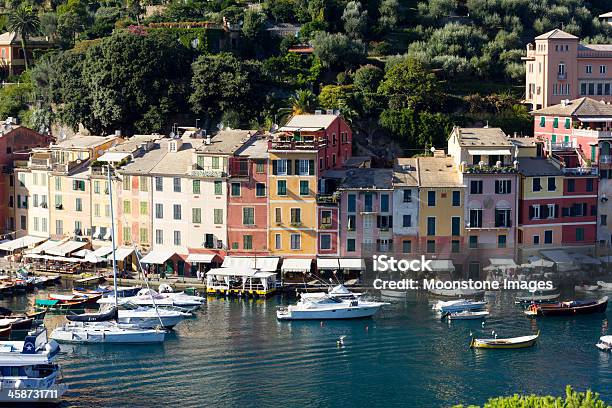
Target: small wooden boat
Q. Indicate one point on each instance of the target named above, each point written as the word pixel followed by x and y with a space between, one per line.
pixel 605 343
pixel 22 324
pixel 55 305
pixel 5 311
pixel 468 315
pixel 586 288
pixel 509 343
pixel 90 280
pixel 37 315
pixel 5 334
pixel 545 296
pixel 571 308
pixel 90 300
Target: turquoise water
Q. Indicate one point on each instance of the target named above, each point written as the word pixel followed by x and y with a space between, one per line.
pixel 235 353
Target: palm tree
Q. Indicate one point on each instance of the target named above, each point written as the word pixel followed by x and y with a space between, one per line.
pixel 302 101
pixel 24 22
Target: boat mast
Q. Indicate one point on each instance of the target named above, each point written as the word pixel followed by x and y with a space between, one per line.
pixel 112 214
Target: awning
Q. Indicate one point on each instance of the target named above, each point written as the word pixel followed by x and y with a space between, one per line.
pixel 157 256
pixel 262 263
pixel 45 246
pixel 483 152
pixel 113 157
pixel 595 118
pixel 296 265
pixel 353 264
pixel 103 251
pixel 438 265
pixel 537 262
pixel 66 248
pixel 201 258
pixel 22 242
pixel 563 260
pixel 586 260
pixel 232 271
pixel 53 258
pixel 121 253
pixel 328 263
pixel 503 262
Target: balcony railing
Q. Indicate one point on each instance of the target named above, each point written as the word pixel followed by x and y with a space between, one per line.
pixel 40 163
pixel 562 146
pixel 605 159
pixel 599 134
pixel 562 75
pixel 485 169
pixel 199 171
pixel 581 171
pixel 328 198
pixel 290 144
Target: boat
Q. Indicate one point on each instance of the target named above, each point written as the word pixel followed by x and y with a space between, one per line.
pixel 468 315
pixel 5 311
pixel 339 291
pixel 458 305
pixel 90 300
pixel 569 308
pixel 459 292
pixel 149 297
pixel 586 288
pixel 325 307
pixel 393 294
pixel 605 343
pixel 55 305
pixel 30 371
pixel 105 332
pixel 509 343
pixel 148 317
pixel 89 292
pixel 17 323
pixel 604 285
pixel 110 314
pixel 90 279
pixel 37 316
pixel 5 333
pixel 540 296
pixel 122 291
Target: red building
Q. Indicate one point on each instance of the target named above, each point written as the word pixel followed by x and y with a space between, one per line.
pixel 11 54
pixel 15 143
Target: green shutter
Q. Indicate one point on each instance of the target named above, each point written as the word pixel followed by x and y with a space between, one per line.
pixel 556 122
pixel 567 123
pixel 543 121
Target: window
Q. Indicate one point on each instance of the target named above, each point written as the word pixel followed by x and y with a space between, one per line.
pixel 196 187
pixel 36 226
pixel 476 187
pixel 235 189
pixel 555 122
pixel 96 186
pixel 602 69
pixel 350 245
pixel 407 196
pixel 501 241
pixel 296 241
pixel 23 222
pixel 127 183
pixel 143 186
pixel 351 205
pixel 384 202
pixel 542 121
pixel 144 208
pixel 159 184
pixel 503 186
pixel 176 182
pixel 325 241
pixel 277 215
pixel 456 198
pixel 78 185
pixel 218 187
pixel 281 187
pixel 551 184
pixel 326 217
pixel 127 207
pixel 536 184
pixel 579 234
pixel 534 212
pixel 589 69
pixel 431 246
pixel 603 219
pixel 502 218
pixel 568 123
pixel 96 210
pixel 456 226
pixel 159 211
pixel 260 190
pixel 177 237
pixel 215 163
pixel 407 246
pixel 548 237
pixel 304 187
pixel 589 184
pixel 296 216
pixel 473 241
pixel 196 215
pixel 407 220
pixel 281 167
pixel 551 210
pixel 277 241
pixel 368 202
pixel 476 218
pixel 176 211
pixel 303 167
pixel 144 235
pixel 247 242
pixel 536 240
pixel 218 216
pixel 259 167
pixel 248 216
pixel 35 200
pixel 571 185
pixel 351 223
pixel 159 237
pixel 431 225
pixel 127 234
pixel 59 227
pixel 455 246
pixel 431 198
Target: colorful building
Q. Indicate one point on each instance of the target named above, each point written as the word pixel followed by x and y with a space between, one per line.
pixel 405 206
pixel 558 67
pixel 11 52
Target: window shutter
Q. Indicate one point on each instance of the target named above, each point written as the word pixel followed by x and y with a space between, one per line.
pixel 496 186
pixel 557 215
pixel 378 221
pixel 509 187
pixel 297 167
pixel 544 211
pixel 289 164
pixel 311 167
pixel 275 167
pixel 531 212
pixel 390 221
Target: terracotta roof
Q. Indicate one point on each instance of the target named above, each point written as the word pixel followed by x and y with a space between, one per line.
pixel 594 47
pixel 577 107
pixel 556 34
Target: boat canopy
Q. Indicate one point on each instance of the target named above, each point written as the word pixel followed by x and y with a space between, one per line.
pixel 262 263
pixel 22 242
pixel 352 264
pixel 438 265
pixel 66 248
pixel 45 246
pixel 201 258
pixel 328 263
pixel 157 256
pixel 243 272
pixel 296 265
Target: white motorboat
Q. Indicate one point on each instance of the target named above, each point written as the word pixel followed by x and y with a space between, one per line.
pixel 146 317
pixel 586 288
pixel 29 372
pixel 605 285
pixel 149 297
pixel 105 332
pixel 459 305
pixel 325 307
pixel 457 292
pixel 541 296
pixel 605 343
pixel 339 291
pixel 468 315
pixel 393 294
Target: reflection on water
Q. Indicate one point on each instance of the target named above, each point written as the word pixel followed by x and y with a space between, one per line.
pixel 235 353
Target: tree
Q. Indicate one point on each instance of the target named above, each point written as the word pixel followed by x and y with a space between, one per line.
pixel 336 97
pixel 367 78
pixel 337 49
pixel 388 10
pixel 253 25
pixel 302 101
pixel 24 21
pixel 408 84
pixel 355 21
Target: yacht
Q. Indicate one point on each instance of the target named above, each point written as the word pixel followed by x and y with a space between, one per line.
pixel 29 372
pixel 146 317
pixel 339 291
pixel 323 307
pixel 149 297
pixel 458 305
pixel 105 332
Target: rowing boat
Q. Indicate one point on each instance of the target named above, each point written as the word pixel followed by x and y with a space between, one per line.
pixel 468 315
pixel 570 308
pixel 509 343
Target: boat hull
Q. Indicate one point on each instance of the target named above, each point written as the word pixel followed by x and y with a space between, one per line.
pixel 150 322
pixel 513 343
pixel 552 310
pixel 74 335
pixel 340 313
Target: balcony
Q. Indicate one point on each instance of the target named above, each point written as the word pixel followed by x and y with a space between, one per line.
pixel 563 146
pixel 70 166
pixel 293 144
pixel 333 198
pixel 562 76
pixel 206 172
pixel 594 133
pixel 580 171
pixel 239 168
pixel 485 169
pixel 605 159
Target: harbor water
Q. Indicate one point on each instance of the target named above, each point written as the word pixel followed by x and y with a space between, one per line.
pixel 236 353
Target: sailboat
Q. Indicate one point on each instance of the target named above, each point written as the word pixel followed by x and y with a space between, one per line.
pixel 104 327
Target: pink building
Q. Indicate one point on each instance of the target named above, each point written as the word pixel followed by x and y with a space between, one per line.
pixel 558 67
